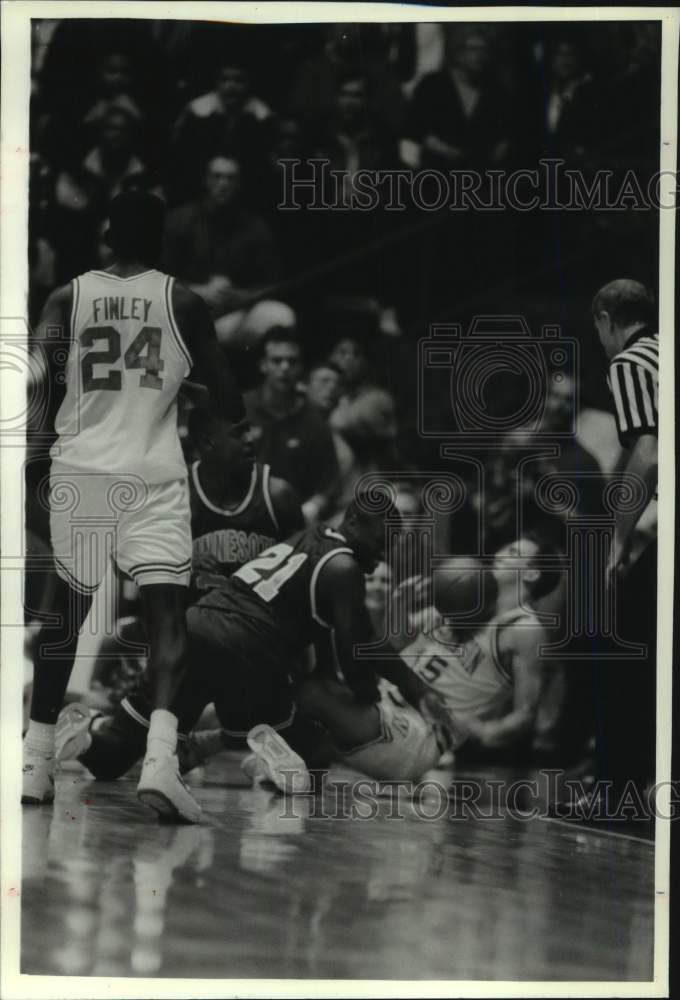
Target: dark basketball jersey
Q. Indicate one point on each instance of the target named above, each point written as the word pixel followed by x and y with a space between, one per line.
pixel 232 536
pixel 276 592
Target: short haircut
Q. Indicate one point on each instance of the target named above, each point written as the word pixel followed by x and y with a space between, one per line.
pixel 282 335
pixel 627 302
pixel 136 225
pixel 329 365
pixel 354 338
pixel 201 420
pixel 548 578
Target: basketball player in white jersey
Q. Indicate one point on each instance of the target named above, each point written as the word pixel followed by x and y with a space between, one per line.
pixel 489 677
pixel 118 484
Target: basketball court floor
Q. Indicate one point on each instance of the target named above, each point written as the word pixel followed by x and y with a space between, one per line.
pixel 296 888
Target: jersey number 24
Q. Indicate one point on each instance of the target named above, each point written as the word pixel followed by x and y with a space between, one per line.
pixel 144 352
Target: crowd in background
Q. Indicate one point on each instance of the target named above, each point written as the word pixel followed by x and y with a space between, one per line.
pixel 320 311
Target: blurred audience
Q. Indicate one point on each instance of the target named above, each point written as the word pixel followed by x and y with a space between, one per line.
pixel 115 90
pixel 347 48
pixel 205 114
pixel 226 253
pixel 324 385
pixel 289 433
pixel 228 118
pixel 569 106
pixel 459 115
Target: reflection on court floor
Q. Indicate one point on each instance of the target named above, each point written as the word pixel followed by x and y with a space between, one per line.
pixel 269 889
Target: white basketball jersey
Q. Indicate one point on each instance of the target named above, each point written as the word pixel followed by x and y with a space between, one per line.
pixel 126 363
pixel 469 677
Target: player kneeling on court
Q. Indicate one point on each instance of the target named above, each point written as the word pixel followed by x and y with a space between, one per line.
pixel 486 668
pixel 246 634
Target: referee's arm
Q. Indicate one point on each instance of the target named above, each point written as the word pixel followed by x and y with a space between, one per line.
pixel 635 398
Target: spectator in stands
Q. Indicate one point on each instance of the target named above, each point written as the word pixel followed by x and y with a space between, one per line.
pixel 82 193
pixel 229 117
pixel 114 89
pixel 569 106
pixel 367 433
pixel 226 253
pixel 459 116
pixel 352 140
pixel 290 435
pixel 303 233
pixel 349 355
pixel 348 47
pixel 324 385
pixel 378 595
pixel 113 165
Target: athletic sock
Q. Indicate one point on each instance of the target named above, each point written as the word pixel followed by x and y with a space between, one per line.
pixel 40 737
pixel 162 738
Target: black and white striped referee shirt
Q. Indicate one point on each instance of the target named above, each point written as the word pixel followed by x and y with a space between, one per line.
pixel 634 383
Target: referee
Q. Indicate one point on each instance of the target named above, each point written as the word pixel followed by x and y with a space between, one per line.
pixel 624 314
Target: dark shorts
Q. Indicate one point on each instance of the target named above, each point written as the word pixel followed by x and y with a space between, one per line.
pixel 244 673
pixel 229 666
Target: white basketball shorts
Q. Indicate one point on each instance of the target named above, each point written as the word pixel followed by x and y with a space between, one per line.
pixel 406 747
pixel 145 528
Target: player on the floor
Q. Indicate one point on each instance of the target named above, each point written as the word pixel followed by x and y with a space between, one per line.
pixel 489 676
pixel 246 635
pixel 237 511
pixel 118 484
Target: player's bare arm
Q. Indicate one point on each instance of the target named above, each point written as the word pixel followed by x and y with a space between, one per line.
pixel 210 365
pixel 55 315
pixel 518 648
pixel 343 590
pixel 287 507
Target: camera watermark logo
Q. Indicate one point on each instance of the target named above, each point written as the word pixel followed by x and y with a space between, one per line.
pixel 493 378
pixel 28 379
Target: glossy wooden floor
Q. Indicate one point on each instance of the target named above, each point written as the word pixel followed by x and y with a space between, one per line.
pixel 253 892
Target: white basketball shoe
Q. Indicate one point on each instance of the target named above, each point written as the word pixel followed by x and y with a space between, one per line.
pixel 37 786
pixel 72 735
pixel 275 761
pixel 161 787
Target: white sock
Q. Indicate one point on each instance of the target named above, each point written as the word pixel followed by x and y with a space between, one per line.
pixel 162 738
pixel 40 737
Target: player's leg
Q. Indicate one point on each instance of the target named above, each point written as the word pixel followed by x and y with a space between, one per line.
pixel 107 745
pixel 110 745
pixel 154 548
pixel 349 724
pixel 81 532
pixel 333 704
pixel 385 741
pixel 55 651
pixel 160 785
